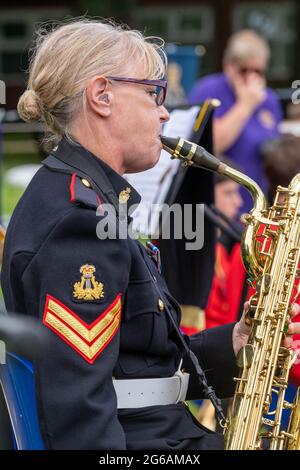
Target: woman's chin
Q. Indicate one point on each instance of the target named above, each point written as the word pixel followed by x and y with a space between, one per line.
pixel 148 165
pixel 145 162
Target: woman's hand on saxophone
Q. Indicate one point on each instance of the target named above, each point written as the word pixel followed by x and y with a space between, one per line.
pixel 293 329
pixel 242 330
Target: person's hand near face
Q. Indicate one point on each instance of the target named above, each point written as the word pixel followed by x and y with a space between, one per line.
pixel 249 89
pixel 247 79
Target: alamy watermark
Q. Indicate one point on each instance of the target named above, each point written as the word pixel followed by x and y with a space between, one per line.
pixel 2 92
pixel 296 93
pixel 175 222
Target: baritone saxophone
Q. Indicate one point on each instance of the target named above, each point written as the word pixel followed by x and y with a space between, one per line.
pixel 270 249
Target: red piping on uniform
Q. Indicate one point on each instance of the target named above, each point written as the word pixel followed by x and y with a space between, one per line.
pixel 72 187
pixel 100 204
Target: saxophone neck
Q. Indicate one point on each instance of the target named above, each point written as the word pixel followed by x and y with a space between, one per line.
pixel 258 197
pixel 250 255
pixel 191 154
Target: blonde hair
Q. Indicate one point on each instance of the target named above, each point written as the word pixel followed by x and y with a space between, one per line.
pixel 246 44
pixel 65 58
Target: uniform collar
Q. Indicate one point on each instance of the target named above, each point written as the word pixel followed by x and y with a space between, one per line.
pixel 79 158
pixel 124 190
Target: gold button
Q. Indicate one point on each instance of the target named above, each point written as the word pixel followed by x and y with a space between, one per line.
pixel 86 183
pixel 161 305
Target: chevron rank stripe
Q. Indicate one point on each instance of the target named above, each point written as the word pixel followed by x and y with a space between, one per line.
pixel 87 340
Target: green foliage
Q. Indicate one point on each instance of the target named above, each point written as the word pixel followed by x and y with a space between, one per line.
pixel 11 193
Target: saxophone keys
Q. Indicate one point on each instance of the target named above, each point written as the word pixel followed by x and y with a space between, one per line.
pixel 245 356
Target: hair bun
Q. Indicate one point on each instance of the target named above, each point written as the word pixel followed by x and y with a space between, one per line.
pixel 29 106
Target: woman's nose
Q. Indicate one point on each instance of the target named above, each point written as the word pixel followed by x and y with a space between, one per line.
pixel 164 114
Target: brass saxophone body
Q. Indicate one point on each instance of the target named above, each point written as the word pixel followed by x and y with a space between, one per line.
pixel 271 253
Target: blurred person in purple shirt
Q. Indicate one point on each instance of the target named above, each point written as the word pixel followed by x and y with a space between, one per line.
pixel 249 113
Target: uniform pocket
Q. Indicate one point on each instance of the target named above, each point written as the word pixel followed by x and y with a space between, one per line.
pixel 141 298
pixel 174 307
pixel 144 331
pixel 130 365
pixel 144 321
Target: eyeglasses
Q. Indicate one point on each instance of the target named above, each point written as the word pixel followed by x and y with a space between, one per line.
pixel 246 70
pixel 161 86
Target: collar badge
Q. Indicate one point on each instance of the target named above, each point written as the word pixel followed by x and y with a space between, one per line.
pixel 124 195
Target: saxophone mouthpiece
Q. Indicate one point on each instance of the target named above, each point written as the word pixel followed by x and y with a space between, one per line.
pixel 191 153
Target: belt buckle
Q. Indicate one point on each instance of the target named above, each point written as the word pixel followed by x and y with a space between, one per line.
pixel 183 385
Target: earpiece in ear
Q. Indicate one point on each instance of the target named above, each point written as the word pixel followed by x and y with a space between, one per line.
pixel 104 98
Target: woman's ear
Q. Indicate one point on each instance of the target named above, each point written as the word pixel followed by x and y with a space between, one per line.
pixel 104 98
pixel 98 96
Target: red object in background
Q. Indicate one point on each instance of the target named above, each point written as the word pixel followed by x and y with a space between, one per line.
pixel 188 331
pixel 227 287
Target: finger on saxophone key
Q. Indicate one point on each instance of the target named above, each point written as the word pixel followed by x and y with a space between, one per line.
pixel 295 310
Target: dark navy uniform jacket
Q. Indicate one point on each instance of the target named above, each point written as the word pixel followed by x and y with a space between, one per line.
pixel 100 301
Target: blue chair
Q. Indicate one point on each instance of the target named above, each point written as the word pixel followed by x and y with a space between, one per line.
pixel 17 382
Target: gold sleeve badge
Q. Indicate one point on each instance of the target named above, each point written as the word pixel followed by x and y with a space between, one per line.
pixel 88 288
pixel 88 340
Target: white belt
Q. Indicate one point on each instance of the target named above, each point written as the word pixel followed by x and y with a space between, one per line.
pixel 137 393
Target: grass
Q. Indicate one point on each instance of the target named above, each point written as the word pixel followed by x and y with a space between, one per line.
pixel 10 197
pixel 10 194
